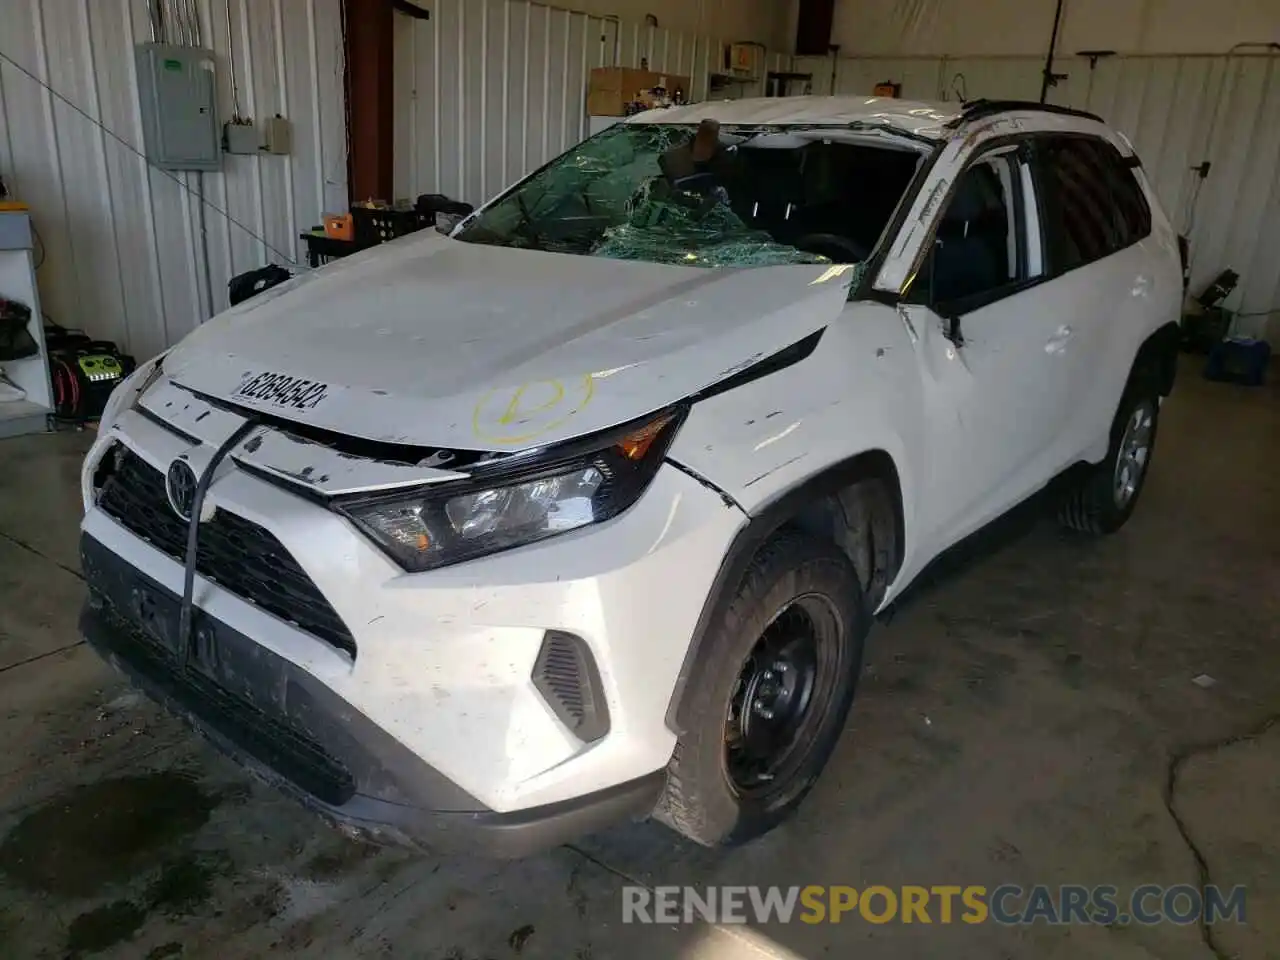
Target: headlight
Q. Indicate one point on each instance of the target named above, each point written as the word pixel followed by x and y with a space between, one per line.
pixel 126 393
pixel 565 489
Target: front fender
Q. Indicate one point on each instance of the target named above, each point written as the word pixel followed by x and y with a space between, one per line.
pixel 778 442
pixel 858 391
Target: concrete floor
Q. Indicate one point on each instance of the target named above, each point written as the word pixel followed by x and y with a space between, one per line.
pixel 1018 723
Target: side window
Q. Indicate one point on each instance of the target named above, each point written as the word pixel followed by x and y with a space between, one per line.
pixel 1126 193
pixel 1079 216
pixel 977 250
pixel 1092 204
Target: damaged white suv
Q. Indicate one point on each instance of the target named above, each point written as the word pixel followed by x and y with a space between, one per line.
pixel 582 512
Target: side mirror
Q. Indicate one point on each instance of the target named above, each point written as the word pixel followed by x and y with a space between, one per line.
pixel 951 320
pixel 953 329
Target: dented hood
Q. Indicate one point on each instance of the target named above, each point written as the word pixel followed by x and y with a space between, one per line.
pixel 432 341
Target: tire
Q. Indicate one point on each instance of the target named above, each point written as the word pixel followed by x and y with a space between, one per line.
pixel 795 579
pixel 1101 500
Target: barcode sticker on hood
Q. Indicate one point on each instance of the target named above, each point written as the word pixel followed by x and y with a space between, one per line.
pixel 283 390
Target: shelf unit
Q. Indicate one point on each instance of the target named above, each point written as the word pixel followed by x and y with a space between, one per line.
pixel 18 283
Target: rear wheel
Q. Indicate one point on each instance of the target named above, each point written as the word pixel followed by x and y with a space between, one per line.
pixel 770 693
pixel 1104 497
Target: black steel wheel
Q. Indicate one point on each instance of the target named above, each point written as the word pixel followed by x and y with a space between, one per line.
pixel 770 690
pixel 769 722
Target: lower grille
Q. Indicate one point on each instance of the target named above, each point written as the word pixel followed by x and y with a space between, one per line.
pixel 266 737
pixel 233 552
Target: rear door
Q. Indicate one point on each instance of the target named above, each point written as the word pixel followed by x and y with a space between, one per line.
pixel 1095 216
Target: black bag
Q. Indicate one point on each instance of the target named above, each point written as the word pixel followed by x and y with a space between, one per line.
pixel 16 342
pixel 429 204
pixel 250 284
pixel 437 210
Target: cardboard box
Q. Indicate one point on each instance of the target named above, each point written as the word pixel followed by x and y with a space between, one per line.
pixel 338 226
pixel 611 88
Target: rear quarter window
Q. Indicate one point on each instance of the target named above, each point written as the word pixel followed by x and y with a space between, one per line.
pixel 1093 204
pixel 1127 193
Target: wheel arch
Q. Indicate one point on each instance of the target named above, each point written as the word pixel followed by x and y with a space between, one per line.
pixel 800 505
pixel 1157 357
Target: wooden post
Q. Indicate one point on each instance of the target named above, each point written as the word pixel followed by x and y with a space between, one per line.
pixel 370 103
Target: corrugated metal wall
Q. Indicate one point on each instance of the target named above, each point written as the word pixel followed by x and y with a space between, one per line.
pixel 989 28
pixel 1179 112
pixel 488 90
pixel 122 241
pixel 491 89
pixel 1182 111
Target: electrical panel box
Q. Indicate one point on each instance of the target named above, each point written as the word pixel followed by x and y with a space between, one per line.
pixel 179 114
pixel 241 137
pixel 277 135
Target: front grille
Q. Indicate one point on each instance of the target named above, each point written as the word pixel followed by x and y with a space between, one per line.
pixel 267 737
pixel 234 553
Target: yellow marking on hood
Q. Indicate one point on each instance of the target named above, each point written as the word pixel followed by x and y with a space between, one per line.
pixel 833 271
pixel 516 411
pixel 511 416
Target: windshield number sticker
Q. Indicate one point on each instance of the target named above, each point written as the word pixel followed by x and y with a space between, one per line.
pixel 283 390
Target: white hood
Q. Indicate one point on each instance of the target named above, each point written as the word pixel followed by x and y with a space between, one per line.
pixel 433 341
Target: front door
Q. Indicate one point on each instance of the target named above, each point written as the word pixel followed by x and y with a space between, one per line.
pixel 989 345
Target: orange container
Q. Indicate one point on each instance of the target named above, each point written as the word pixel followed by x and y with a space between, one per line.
pixel 338 226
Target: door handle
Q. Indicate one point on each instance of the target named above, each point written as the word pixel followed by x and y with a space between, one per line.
pixel 1058 342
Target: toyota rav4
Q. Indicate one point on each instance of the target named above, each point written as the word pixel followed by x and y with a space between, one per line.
pixel 582 511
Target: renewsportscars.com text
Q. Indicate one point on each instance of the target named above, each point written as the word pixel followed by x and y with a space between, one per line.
pixel 1007 904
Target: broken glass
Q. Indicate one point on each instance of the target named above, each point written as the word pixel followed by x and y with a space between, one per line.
pixel 700 197
pixel 694 232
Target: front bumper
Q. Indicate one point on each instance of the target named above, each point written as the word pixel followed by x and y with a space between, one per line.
pixel 295 733
pixel 443 663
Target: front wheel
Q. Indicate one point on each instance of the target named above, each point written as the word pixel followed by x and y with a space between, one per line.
pixel 770 693
pixel 1104 497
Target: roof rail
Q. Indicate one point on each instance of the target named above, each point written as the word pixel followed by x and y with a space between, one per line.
pixel 977 109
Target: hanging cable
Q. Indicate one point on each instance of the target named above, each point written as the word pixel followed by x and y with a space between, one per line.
pixel 204 246
pixel 193 535
pixel 1190 218
pixel 1050 78
pixel 197 35
pixel 1225 89
pixel 236 115
pixel 39 243
pixel 184 27
pixel 153 19
pixel 288 258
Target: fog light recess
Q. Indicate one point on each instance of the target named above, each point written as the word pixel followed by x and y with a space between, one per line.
pixel 565 674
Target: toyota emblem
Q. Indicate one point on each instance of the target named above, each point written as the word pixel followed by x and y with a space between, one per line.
pixel 180 487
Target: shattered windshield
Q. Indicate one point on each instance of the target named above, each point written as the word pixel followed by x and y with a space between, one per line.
pixel 700 196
